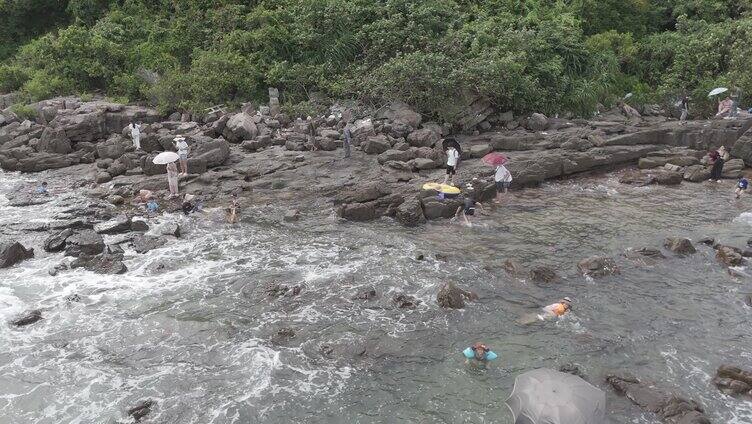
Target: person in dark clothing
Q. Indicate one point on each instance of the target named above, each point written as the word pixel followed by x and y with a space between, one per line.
pixel 347 140
pixel 468 209
pixel 684 109
pixel 718 158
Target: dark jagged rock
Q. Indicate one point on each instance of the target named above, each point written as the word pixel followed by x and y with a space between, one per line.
pixel 543 274
pixel 73 298
pixel 12 253
pixel 598 266
pixel 142 243
pixel 27 318
pixel 572 368
pixel 453 297
pixel 139 225
pixel 405 301
pixel 101 264
pixel 748 300
pixel 141 409
pixel 513 267
pixel 56 242
pixel 708 241
pixel 679 245
pixel 669 407
pixel 291 215
pixel 84 243
pixel 283 335
pixel 410 213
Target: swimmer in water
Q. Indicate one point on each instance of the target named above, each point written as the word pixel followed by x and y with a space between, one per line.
pixel 479 353
pixel 556 310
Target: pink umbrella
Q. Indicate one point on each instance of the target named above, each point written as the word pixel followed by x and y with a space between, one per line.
pixel 495 159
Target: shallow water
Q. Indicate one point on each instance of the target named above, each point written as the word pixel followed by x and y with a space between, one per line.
pixel 190 325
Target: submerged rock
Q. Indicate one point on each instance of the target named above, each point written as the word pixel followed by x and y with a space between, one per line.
pixel 27 318
pixel 729 256
pixel 367 294
pixel 453 297
pixel 598 266
pixel 543 274
pixel 141 409
pixel 101 264
pixel 679 245
pixel 670 407
pixel 274 289
pixel 143 244
pixel 12 253
pixel 405 301
pixel 733 380
pixel 291 215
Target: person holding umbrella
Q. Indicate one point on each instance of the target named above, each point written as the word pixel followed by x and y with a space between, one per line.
pixel 169 159
pixel 502 176
pixel 453 152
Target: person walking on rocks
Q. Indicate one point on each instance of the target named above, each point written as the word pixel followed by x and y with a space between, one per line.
pixel 453 157
pixel 719 157
pixel 502 179
pixel 172 179
pixel 347 134
pixel 182 147
pixel 135 135
pixel 232 211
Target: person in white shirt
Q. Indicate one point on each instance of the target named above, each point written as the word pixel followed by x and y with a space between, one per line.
pixel 503 179
pixel 451 168
pixel 135 135
pixel 182 147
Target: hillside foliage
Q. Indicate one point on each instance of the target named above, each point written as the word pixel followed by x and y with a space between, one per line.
pixel 525 55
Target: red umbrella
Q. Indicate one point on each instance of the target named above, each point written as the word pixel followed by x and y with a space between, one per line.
pixel 495 159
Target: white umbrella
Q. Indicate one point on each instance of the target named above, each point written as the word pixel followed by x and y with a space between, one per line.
pixel 718 90
pixel 165 157
pixel 545 396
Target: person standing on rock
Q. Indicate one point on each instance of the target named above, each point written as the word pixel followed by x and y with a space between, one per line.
pixel 135 135
pixel 719 157
pixel 232 211
pixel 684 110
pixel 182 147
pixel 347 134
pixel 311 134
pixel 453 157
pixel 172 179
pixel 502 179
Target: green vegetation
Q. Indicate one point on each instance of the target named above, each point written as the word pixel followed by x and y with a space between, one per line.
pixel 535 55
pixel 24 111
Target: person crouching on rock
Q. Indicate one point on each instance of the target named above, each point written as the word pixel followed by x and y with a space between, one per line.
pixel 479 354
pixel 468 209
pixel 451 167
pixel 741 187
pixel 718 158
pixel 141 196
pixel 556 310
pixel 232 211
pixel 172 179
pixel 42 189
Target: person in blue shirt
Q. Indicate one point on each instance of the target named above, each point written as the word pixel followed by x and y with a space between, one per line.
pixel 479 353
pixel 42 189
pixel 741 187
pixel 152 206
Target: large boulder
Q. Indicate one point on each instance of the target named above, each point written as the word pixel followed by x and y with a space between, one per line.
pixel 537 122
pixel 240 126
pixel 361 130
pixel 670 407
pixel 113 148
pixel 410 213
pixel 733 168
pixel 597 266
pixel 393 155
pixel 679 245
pixel 13 252
pixel 400 112
pixel 358 211
pixel 120 224
pixel 728 255
pixel 423 137
pixel 84 243
pixel 697 173
pixel 142 243
pixel 101 264
pixel 733 380
pixel 742 148
pixel 26 318
pixel 54 140
pixel 453 297
pixel 214 151
pixel 434 208
pixel 56 242
pixel 375 145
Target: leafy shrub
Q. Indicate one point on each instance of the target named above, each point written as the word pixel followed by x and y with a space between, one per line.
pixel 24 111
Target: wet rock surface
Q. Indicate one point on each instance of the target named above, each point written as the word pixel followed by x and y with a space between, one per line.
pixel 669 407
pixel 733 380
pixel 140 410
pixel 13 252
pixel 680 246
pixel 598 266
pixel 27 318
pixel 452 297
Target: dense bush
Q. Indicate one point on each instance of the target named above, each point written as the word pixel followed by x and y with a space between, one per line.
pixel 542 55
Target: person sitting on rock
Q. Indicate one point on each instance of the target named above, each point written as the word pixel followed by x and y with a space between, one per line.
pixel 42 189
pixel 453 157
pixel 741 187
pixel 140 197
pixel 151 206
pixel 469 207
pixel 479 353
pixel 724 108
pixel 556 310
pixel 191 205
